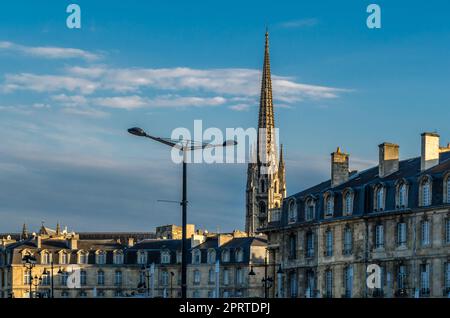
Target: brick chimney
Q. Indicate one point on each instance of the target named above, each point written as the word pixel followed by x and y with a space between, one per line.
pixel 430 151
pixel 339 168
pixel 388 159
pixel 38 241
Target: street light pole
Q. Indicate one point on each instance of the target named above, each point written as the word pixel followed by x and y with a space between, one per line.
pixel 184 146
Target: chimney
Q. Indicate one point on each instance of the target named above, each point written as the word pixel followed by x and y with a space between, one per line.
pixel 430 151
pixel 73 243
pixel 388 159
pixel 130 242
pixel 38 241
pixel 339 168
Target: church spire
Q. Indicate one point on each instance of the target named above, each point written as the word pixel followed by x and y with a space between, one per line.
pixel 58 229
pixel 24 231
pixel 266 117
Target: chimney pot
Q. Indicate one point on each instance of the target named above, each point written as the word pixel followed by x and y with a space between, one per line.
pixel 339 167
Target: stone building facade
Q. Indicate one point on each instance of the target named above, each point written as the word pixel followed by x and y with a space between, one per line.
pixel 72 267
pixel 395 215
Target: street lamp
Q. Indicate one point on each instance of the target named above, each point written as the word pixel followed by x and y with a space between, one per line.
pixel 52 290
pixel 266 280
pixel 29 262
pixel 184 146
pixel 145 272
pixel 36 281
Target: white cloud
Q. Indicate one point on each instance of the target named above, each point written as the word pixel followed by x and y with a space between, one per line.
pixel 240 107
pixel 49 52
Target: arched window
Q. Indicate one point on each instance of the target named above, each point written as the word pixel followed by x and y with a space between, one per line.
pixel 118 257
pixel 239 255
pixel 292 211
pixel 100 257
pixel 402 196
pixel 329 204
pixel 425 191
pixel 348 202
pixel 211 256
pixel 83 257
pixel 348 241
pixel 447 188
pixel 45 258
pixel 379 198
pixel 196 256
pixel 142 257
pixel 225 255
pixel 165 257
pixel 276 186
pixel 263 186
pixel 309 209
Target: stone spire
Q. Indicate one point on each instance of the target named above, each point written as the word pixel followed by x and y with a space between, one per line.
pixel 266 117
pixel 58 229
pixel 24 231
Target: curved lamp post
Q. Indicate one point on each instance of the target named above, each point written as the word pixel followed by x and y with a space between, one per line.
pixel 184 146
pixel 29 262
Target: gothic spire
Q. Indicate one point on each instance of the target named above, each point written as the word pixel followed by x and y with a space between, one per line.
pixel 58 229
pixel 281 163
pixel 24 231
pixel 266 117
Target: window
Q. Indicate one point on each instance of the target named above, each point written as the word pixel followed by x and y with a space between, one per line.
pixel 225 256
pixel 425 233
pixel 402 196
pixel 263 186
pixel 329 283
pixel 196 277
pixel 64 277
pixel 64 259
pixel 83 294
pixel 292 246
pixel 165 257
pixel 379 236
pixel 348 203
pixel 45 258
pixel 196 256
pixel 179 255
pixel 100 278
pixel 447 231
pixel 26 277
pixel 211 276
pixel 292 211
pixel 100 258
pixel 401 277
pixel 329 243
pixel 309 210
pixel 262 208
pixel 211 256
pixel 348 281
pixel 118 257
pixel 447 277
pixel 46 279
pixel 293 284
pixel 83 278
pixel 401 234
pixel 348 241
pixel 447 189
pixel 239 255
pixel 164 278
pixel 329 205
pixel 118 278
pixel 424 280
pixel 310 284
pixel 239 276
pixel 142 258
pixel 309 244
pixel 82 258
pixel 426 193
pixel 226 276
pixel 379 198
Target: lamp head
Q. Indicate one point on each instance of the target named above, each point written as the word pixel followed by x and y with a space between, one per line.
pixel 137 131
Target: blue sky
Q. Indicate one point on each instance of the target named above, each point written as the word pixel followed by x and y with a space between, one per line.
pixel 68 96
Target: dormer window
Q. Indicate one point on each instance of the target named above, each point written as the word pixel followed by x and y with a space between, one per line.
pixel 165 257
pixel 100 258
pixel 196 256
pixel 292 211
pixel 142 257
pixel 63 258
pixel 45 258
pixel 239 255
pixel 82 257
pixel 402 195
pixel 225 256
pixel 379 198
pixel 310 209
pixel 447 188
pixel 425 191
pixel 329 204
pixel 348 202
pixel 118 257
pixel 211 256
